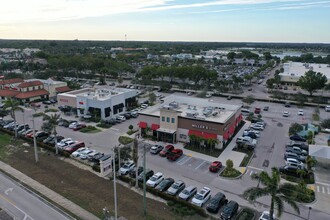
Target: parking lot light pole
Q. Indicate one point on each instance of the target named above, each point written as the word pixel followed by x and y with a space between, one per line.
pixel 309 212
pixel 35 142
pixel 144 182
pixel 114 182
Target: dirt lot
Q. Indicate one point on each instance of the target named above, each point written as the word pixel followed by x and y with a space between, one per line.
pixel 83 187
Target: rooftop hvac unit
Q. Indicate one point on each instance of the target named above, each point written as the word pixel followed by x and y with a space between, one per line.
pixel 195 108
pixel 215 113
pixel 174 104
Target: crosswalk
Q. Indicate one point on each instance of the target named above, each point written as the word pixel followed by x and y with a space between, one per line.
pixel 252 171
pixel 322 188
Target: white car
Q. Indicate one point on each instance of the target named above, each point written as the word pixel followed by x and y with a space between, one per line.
pixel 201 197
pixel 266 216
pixel 73 125
pixel 62 142
pixel 155 180
pixel 257 126
pixel 77 152
pixel 66 144
pixel 286 114
pixel 128 166
pixel 121 118
pixel 84 155
pixel 295 162
pixel 301 112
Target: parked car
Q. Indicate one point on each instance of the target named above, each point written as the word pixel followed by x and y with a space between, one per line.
pixel 96 158
pixel 265 215
pixel 166 150
pixel 201 197
pixel 78 127
pixel 256 126
pixel 297 150
pixel 251 135
pixel 156 149
pixel 287 104
pixel 229 210
pixel 216 202
pixel 132 172
pixel 47 102
pixel 35 104
pixel 174 154
pixel 84 155
pixel 121 118
pixel 165 184
pixel 72 148
pixel 294 162
pixel 257 110
pixel 66 144
pixel 294 156
pixel 300 144
pixel 24 133
pixel 73 124
pixel 188 192
pixel 128 166
pixel 41 135
pixel 30 134
pixel 79 151
pixel 300 112
pixel 297 138
pixel 62 142
pixel 215 166
pixel 266 108
pixel 176 188
pixel 148 174
pixel 286 114
pixel 155 180
pixel 22 127
pixel 58 137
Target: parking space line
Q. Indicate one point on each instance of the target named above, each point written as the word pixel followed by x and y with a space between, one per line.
pixel 323 189
pixel 184 161
pixel 251 172
pixel 322 183
pixel 318 188
pixel 181 159
pixel 256 168
pixel 328 190
pixel 200 165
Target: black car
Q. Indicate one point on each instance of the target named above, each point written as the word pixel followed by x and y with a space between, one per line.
pixel 229 210
pixel 6 122
pixel 266 108
pixel 165 184
pixel 96 158
pixel 149 174
pixel 111 121
pixel 302 145
pixel 297 138
pixel 47 102
pixel 41 135
pixel 287 104
pixel 132 172
pixel 127 115
pixel 216 202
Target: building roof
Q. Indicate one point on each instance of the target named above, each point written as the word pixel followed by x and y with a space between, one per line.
pixel 294 70
pixel 62 89
pixel 11 81
pixel 8 93
pixel 29 84
pixel 30 94
pixel 195 108
pixel 321 151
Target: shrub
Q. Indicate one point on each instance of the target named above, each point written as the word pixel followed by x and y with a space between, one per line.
pixel 229 164
pixel 125 140
pixel 51 110
pixel 89 129
pixel 230 173
pixel 39 114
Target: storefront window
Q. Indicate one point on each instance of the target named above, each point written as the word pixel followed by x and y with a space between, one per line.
pixel 168 119
pixel 163 118
pixel 173 120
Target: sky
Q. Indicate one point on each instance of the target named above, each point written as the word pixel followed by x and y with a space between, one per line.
pixel 300 21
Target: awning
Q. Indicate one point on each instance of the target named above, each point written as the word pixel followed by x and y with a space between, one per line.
pixel 142 124
pixel 196 133
pixel 209 136
pixel 154 127
pixel 164 130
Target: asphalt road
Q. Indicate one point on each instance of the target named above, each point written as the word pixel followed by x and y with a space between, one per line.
pixel 23 204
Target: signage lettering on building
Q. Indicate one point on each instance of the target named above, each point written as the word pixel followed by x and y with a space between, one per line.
pixel 81 103
pixel 203 127
pixel 64 100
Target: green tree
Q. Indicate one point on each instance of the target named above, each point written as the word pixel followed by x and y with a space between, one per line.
pixel 52 122
pixel 275 190
pixel 12 105
pixel 130 127
pixel 310 163
pixel 249 99
pixel 270 83
pixel 295 128
pixel 312 81
pixel 326 123
pixel 229 164
pixel 152 98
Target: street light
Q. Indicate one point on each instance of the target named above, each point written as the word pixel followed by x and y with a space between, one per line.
pixel 114 182
pixel 35 142
pixel 309 211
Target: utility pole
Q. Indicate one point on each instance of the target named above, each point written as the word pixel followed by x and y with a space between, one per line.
pixel 144 182
pixel 119 156
pixel 114 183
pixel 35 142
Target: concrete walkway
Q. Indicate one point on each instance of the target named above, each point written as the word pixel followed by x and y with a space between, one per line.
pixel 48 193
pixel 228 153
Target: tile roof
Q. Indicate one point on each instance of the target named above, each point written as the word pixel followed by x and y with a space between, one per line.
pixel 29 84
pixel 8 93
pixel 25 95
pixel 63 89
pixel 11 81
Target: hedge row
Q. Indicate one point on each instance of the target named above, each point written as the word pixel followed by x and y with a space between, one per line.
pixel 166 196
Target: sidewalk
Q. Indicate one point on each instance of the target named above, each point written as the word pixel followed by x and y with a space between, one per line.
pixel 48 193
pixel 228 153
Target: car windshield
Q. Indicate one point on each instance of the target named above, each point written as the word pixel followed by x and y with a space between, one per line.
pixel 126 166
pixel 265 216
pixel 153 178
pixel 176 186
pixel 199 197
pixel 186 192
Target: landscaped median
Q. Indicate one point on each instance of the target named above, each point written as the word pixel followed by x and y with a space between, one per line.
pixel 230 171
pixel 90 129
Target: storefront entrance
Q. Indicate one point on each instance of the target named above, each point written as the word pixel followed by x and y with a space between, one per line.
pixel 166 137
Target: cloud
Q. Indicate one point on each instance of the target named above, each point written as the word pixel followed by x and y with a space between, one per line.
pixel 18 11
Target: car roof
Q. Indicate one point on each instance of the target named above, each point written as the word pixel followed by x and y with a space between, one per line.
pixel 191 187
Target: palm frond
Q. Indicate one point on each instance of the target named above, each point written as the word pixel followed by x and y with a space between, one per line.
pixel 291 202
pixel 254 193
pixel 279 205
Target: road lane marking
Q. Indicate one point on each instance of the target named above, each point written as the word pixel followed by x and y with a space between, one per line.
pixel 200 165
pixel 256 168
pixel 8 190
pixel 184 161
pixel 8 200
pixel 251 172
pixel 115 129
pixel 318 188
pixel 323 190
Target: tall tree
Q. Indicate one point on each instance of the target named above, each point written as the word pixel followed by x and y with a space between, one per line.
pixel 312 81
pixel 275 190
pixel 52 122
pixel 12 105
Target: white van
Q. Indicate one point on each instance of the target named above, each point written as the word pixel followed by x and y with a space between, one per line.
pixel 245 111
pixel 327 108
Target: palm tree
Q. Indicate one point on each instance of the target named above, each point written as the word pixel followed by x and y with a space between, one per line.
pixel 52 122
pixel 211 142
pixel 275 190
pixel 12 105
pixel 310 162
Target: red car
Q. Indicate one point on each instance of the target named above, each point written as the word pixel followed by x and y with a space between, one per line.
pixel 166 150
pixel 79 126
pixel 215 166
pixel 174 154
pixel 72 148
pixel 30 135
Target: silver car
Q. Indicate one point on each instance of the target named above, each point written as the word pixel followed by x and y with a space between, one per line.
pixel 188 192
pixel 176 188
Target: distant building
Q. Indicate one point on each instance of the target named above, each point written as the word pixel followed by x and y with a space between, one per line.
pixel 52 86
pixel 105 102
pixel 294 70
pixel 179 117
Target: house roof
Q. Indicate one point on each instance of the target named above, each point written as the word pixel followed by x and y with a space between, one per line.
pixel 8 93
pixel 29 84
pixel 62 89
pixel 25 95
pixel 11 81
